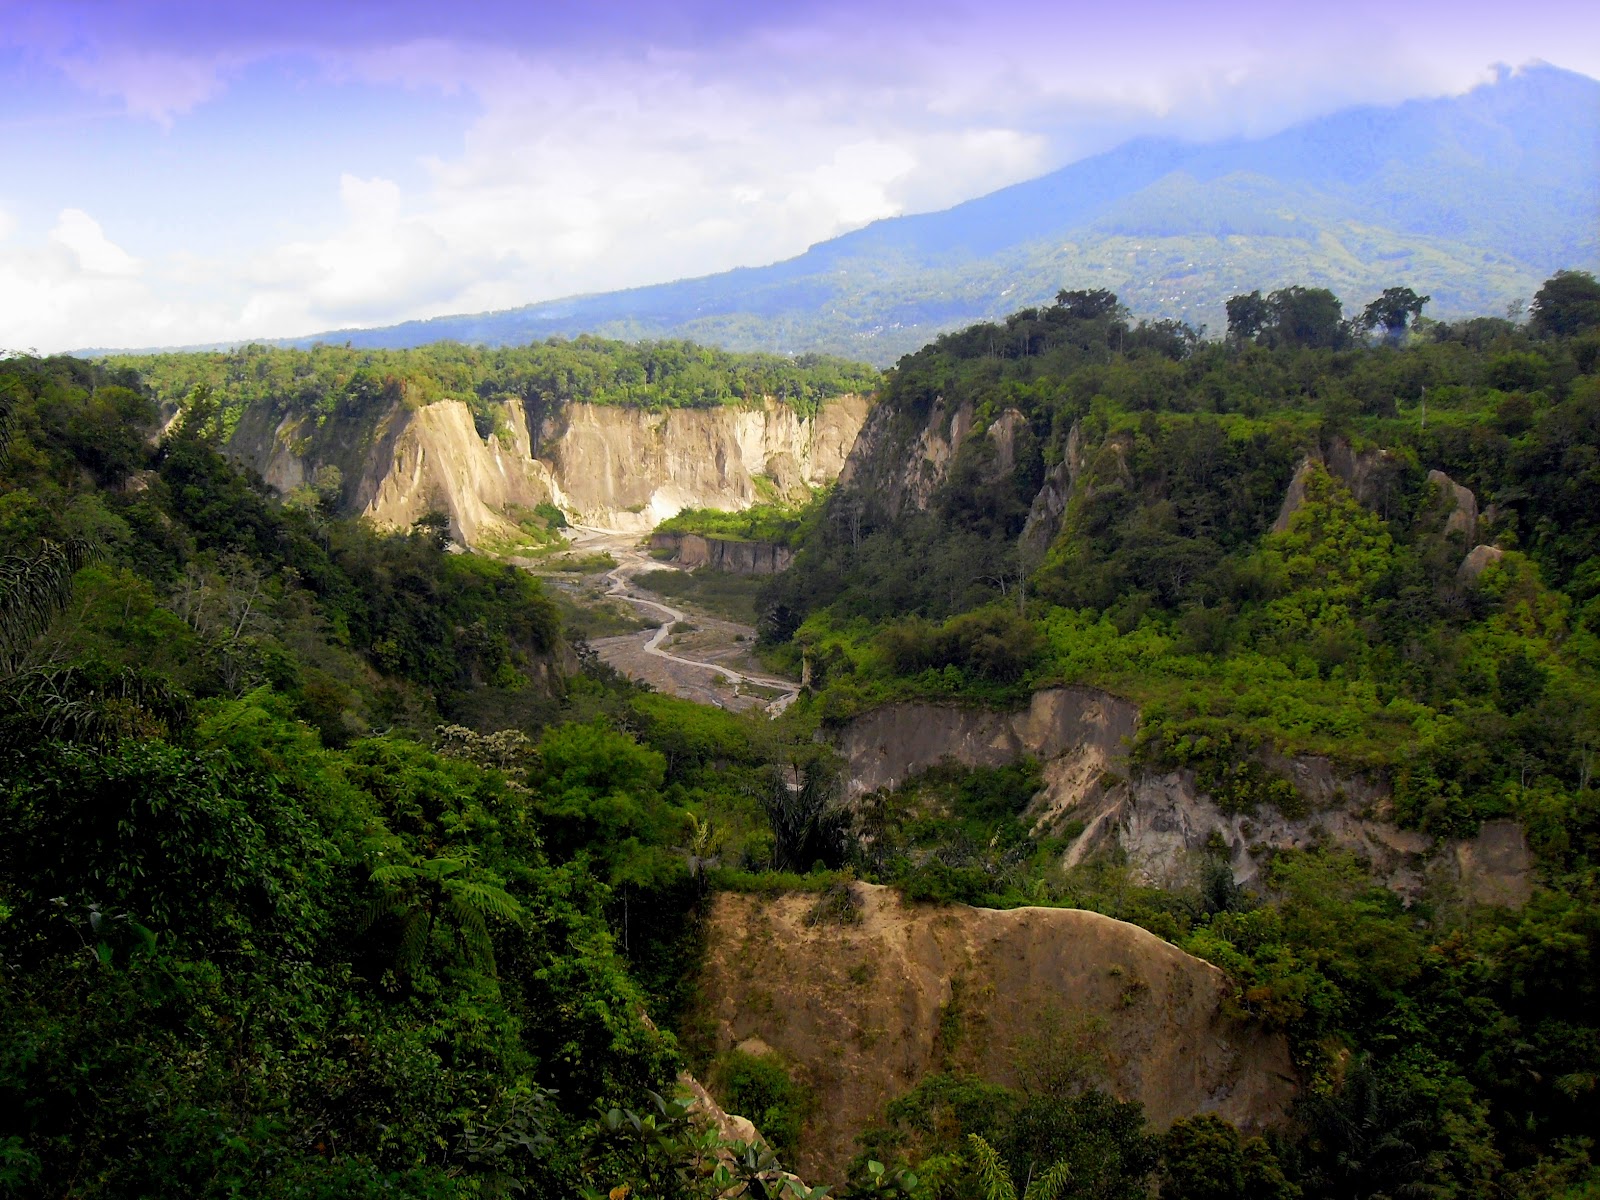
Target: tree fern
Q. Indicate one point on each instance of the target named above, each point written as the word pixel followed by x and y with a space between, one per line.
pixel 1051 1185
pixel 418 892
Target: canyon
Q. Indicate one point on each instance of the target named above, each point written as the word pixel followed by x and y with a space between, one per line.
pixel 613 467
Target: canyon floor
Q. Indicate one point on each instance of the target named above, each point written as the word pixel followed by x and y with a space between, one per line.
pixel 692 653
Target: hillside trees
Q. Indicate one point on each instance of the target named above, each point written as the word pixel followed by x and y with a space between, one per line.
pixel 1567 304
pixel 1392 310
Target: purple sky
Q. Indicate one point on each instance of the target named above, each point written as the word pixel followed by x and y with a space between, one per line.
pixel 179 172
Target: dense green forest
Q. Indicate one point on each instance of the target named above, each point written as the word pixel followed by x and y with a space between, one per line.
pixel 1350 626
pixel 544 375
pixel 331 865
pixel 318 844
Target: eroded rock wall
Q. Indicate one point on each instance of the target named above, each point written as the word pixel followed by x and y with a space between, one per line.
pixel 862 1011
pixel 1162 823
pixel 626 468
pixel 614 467
pixel 691 551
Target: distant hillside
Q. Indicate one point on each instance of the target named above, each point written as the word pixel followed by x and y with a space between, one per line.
pixel 1474 199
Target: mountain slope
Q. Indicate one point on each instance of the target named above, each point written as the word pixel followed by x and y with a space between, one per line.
pixel 1474 199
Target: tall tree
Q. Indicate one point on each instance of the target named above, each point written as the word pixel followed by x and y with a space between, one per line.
pixel 1392 310
pixel 1568 302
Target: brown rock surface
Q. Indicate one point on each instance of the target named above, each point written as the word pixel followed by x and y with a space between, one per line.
pixel 861 1012
pixel 1496 866
pixel 735 557
pixel 1461 506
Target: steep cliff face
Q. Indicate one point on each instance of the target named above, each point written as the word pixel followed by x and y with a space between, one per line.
pixel 631 469
pixel 1161 821
pixel 691 551
pixel 617 468
pixel 863 1010
pixel 899 462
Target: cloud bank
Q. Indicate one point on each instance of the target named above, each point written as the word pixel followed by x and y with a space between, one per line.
pixel 606 145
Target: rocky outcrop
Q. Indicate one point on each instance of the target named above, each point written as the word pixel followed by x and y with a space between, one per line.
pixel 1496 866
pixel 1294 496
pixel 862 1010
pixel 899 461
pixel 605 465
pixel 1371 475
pixel 888 745
pixel 692 551
pixel 436 460
pixel 1477 561
pixel 1050 502
pixel 1160 822
pixel 625 468
pixel 1459 505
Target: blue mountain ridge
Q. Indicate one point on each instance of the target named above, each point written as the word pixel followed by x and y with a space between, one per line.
pixel 1474 198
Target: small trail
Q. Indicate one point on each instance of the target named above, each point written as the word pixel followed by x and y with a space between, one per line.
pixel 629 563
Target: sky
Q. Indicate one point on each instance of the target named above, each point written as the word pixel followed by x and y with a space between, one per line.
pixel 185 171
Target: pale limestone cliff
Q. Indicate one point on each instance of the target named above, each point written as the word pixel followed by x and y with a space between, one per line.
pixel 861 1011
pixel 626 468
pixel 899 462
pixel 610 466
pixel 1161 822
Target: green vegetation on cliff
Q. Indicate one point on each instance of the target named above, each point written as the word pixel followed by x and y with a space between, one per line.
pixel 1170 569
pixel 1243 537
pixel 779 524
pixel 542 375
pixel 322 872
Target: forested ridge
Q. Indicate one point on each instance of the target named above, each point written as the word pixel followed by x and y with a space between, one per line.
pixel 315 382
pixel 331 866
pixel 1351 624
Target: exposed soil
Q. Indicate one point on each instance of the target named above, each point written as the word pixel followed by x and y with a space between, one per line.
pixel 862 1010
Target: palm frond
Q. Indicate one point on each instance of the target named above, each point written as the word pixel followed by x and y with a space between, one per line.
pixel 992 1173
pixel 8 415
pixel 33 589
pixel 88 706
pixel 1051 1184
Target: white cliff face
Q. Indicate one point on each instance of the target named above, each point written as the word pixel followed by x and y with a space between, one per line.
pixel 629 469
pixel 617 468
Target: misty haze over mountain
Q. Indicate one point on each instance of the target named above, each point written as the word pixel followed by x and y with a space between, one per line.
pixel 1473 199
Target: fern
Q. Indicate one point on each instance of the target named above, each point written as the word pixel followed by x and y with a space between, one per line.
pixel 995 1178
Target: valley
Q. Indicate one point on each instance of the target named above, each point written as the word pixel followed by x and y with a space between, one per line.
pixel 854 602
pixel 707 659
pixel 1095 740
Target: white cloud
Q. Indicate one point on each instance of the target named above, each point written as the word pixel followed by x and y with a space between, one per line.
pixel 72 282
pixel 80 234
pixel 154 84
pixel 629 170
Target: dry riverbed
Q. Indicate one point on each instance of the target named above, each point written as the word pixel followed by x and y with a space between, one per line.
pixel 687 652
